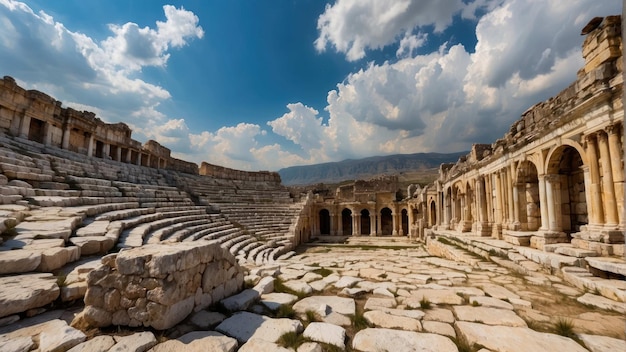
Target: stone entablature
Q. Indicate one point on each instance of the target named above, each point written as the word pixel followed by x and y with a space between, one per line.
pixel 557 175
pixel 33 115
pixel 217 171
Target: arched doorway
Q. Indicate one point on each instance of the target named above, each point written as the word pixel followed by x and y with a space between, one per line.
pixel 386 222
pixel 405 222
pixel 365 222
pixel 433 213
pixel 324 222
pixel 346 222
pixel 528 193
pixel 568 189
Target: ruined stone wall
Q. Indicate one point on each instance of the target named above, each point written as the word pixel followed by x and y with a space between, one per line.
pixel 158 285
pixel 216 171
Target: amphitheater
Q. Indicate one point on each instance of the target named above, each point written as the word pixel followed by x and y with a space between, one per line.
pixel 112 245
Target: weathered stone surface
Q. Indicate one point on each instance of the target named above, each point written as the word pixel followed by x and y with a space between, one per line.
pixel 499 292
pixel 265 285
pixel 440 315
pixel 243 326
pixel 384 320
pixel 60 339
pixel 341 305
pixel 347 281
pixel 489 316
pixel 508 338
pixel 138 342
pixel 158 285
pixel 18 344
pixel 490 302
pixel 602 302
pixel 19 261
pixel 378 303
pixel 596 343
pixel 198 341
pixel 97 344
pixel 374 340
pixel 274 300
pixel 433 296
pixel 23 292
pixel 611 265
pixel 438 328
pixel 310 347
pixel 206 320
pixel 260 345
pixel 241 301
pixel 326 333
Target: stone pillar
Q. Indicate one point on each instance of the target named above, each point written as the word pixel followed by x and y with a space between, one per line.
pixel 340 224
pixel 378 224
pixel 106 151
pixel 48 133
pixel 333 228
pixel 356 228
pixel 543 203
pixel 596 212
pixel 139 158
pixel 394 223
pixel 553 195
pixel 65 144
pixel 118 157
pixel 488 198
pixel 498 217
pixel 446 210
pixel 509 198
pixel 438 206
pixel 24 126
pixel 372 223
pixel 90 145
pixel 610 207
pixel 617 154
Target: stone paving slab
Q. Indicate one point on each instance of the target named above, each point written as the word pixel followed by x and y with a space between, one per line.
pixel 23 292
pixel 244 326
pixel 326 333
pixel 375 340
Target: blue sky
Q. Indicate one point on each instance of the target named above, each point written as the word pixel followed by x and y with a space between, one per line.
pixel 261 85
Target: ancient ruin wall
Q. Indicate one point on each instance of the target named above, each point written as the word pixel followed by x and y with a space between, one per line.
pixel 217 171
pixel 159 285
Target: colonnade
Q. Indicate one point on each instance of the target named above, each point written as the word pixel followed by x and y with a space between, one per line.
pixel 384 221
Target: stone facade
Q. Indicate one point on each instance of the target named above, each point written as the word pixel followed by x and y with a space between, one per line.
pixel 370 208
pixel 159 285
pixel 217 171
pixel 557 175
pixel 33 115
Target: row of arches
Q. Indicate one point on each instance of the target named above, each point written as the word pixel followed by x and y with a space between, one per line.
pixel 568 188
pixel 363 222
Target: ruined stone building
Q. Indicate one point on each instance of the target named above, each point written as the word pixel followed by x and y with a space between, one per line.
pixel 558 174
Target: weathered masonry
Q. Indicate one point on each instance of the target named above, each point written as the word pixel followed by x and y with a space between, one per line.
pixel 558 175
pixel 368 208
pixel 33 115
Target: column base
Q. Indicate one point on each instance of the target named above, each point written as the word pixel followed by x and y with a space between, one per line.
pixel 483 228
pixel 541 238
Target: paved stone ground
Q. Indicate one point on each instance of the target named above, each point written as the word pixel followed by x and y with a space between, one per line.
pixel 361 298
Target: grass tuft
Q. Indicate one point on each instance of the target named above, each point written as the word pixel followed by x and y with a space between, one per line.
pixel 564 327
pixel 291 340
pixel 323 271
pixel 425 303
pixel 359 322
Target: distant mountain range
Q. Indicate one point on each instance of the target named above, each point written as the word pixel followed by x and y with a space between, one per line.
pixel 364 168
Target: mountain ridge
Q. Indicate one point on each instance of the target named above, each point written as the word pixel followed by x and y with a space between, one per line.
pixel 338 171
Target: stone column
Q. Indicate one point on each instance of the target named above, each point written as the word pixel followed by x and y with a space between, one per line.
pixel 499 215
pixel 372 223
pixel 488 198
pixel 617 154
pixel 394 223
pixel 482 200
pixel 340 224
pixel 509 198
pixel 333 230
pixel 543 203
pixel 24 126
pixel 118 157
pixel 438 206
pixel 610 207
pixel 139 158
pixel 356 228
pixel 596 212
pixel 65 144
pixel 446 210
pixel 106 151
pixel 48 132
pixel 378 224
pixel 90 145
pixel 553 195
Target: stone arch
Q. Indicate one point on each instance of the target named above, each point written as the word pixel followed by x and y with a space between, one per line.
pixel 555 153
pixel 366 228
pixel 432 211
pixel 346 222
pixel 528 196
pixel 404 222
pixel 566 178
pixel 386 222
pixel 324 218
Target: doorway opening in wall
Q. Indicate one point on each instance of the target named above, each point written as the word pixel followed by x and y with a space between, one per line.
pixel 386 222
pixel 571 199
pixel 365 222
pixel 405 222
pixel 99 149
pixel 324 216
pixel 346 222
pixel 433 213
pixel 36 132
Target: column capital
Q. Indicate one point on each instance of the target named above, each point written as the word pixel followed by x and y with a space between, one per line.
pixel 602 136
pixel 612 129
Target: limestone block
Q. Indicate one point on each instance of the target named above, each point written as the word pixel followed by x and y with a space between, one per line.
pixel 326 333
pixel 258 345
pixel 489 316
pixel 97 344
pixel 60 339
pixel 55 258
pixel 24 343
pixel 434 296
pixel 241 301
pixel 371 340
pixel 439 328
pixel 383 320
pixel 596 343
pixel 19 261
pixel 198 341
pixel 23 292
pixel 245 326
pixel 138 342
pixel 274 300
pixel 341 305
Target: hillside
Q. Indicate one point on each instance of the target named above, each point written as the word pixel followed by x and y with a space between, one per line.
pixel 366 168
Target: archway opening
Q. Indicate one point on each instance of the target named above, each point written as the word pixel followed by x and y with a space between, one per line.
pixel 433 213
pixel 324 216
pixel 569 196
pixel 386 222
pixel 346 222
pixel 528 193
pixel 365 222
pixel 405 222
pixel 36 131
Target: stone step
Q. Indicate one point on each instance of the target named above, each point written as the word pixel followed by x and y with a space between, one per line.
pixel 610 288
pixel 608 265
